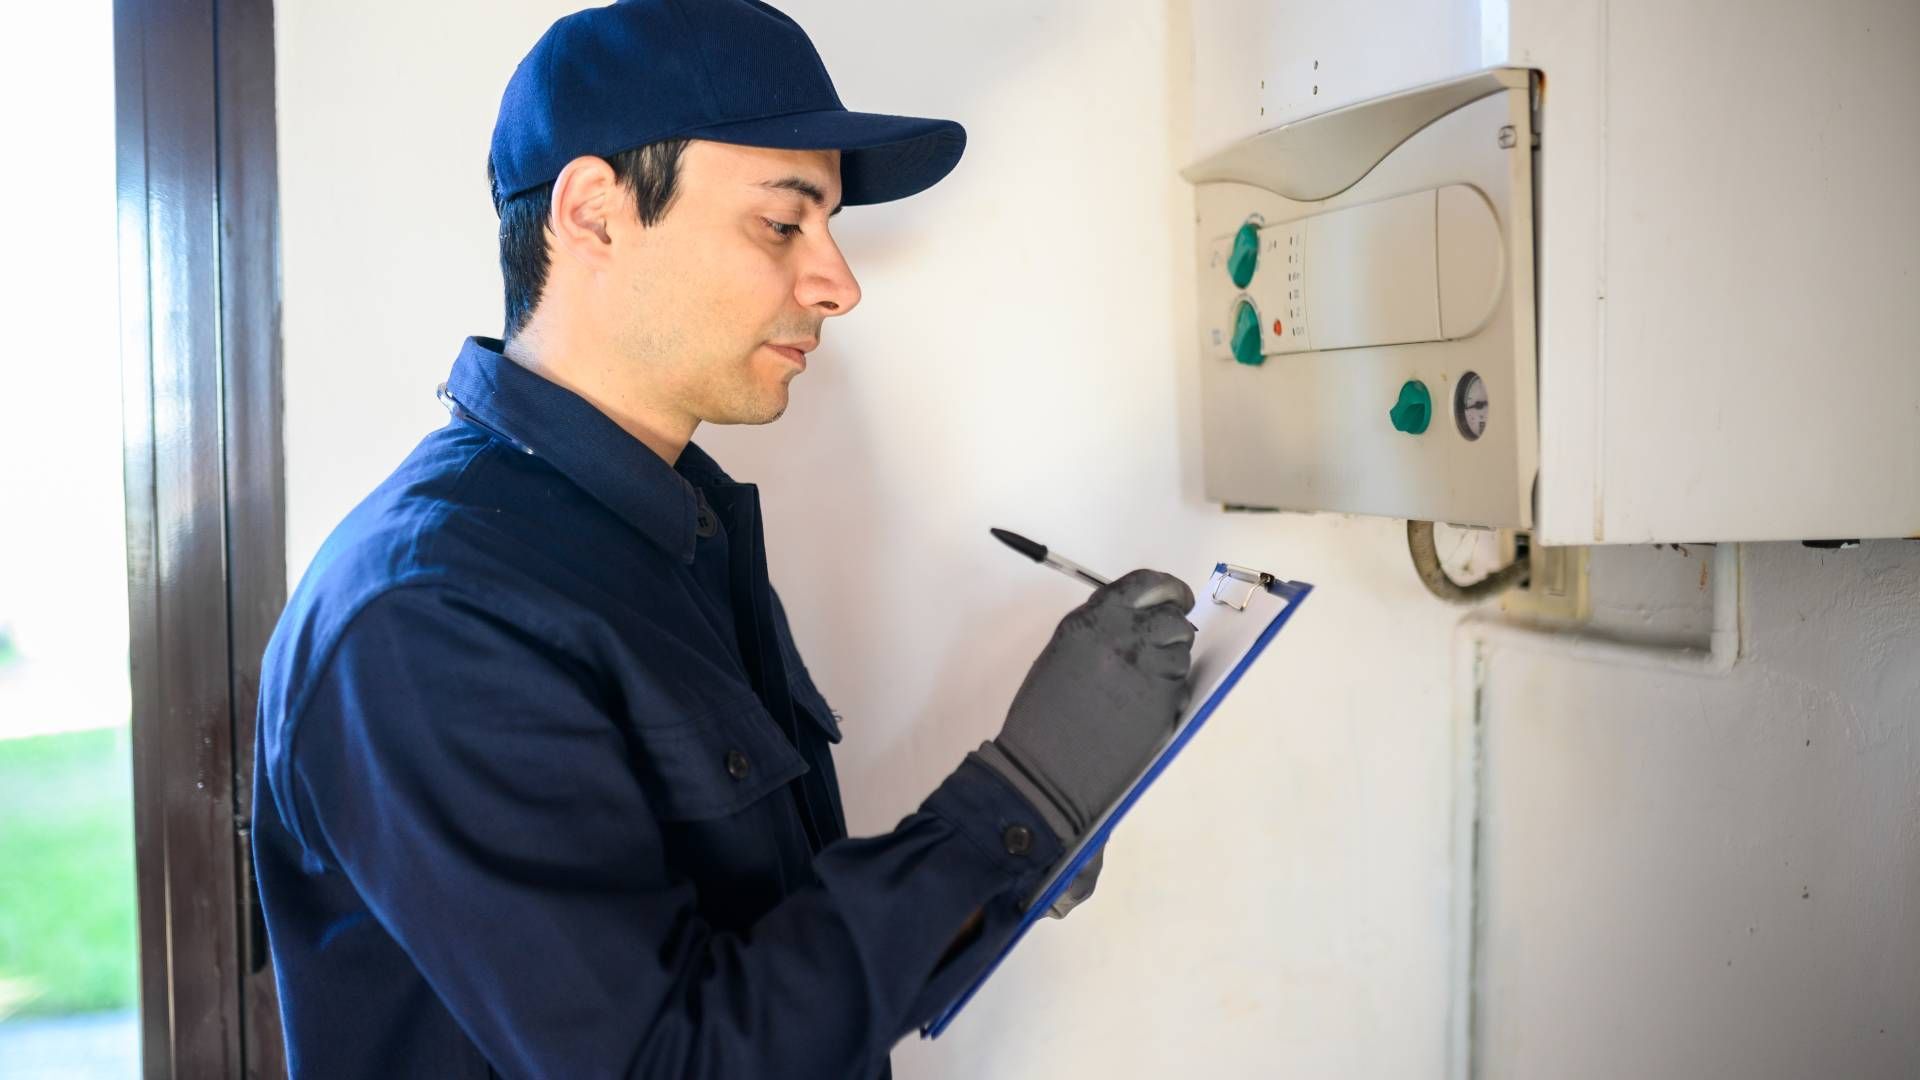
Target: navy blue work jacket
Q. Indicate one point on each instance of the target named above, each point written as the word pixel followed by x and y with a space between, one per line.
pixel 542 786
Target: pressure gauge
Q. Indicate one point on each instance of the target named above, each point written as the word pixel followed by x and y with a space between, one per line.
pixel 1470 406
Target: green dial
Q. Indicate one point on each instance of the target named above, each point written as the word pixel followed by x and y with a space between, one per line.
pixel 1414 411
pixel 1246 334
pixel 1245 256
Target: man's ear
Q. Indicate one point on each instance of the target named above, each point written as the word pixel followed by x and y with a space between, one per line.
pixel 583 205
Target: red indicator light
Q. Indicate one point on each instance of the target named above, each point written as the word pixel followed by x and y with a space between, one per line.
pixel 1278 329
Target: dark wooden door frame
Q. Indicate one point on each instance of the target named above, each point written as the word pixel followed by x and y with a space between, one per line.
pixel 206 547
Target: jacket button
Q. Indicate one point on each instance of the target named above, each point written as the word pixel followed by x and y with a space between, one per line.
pixel 737 765
pixel 1018 839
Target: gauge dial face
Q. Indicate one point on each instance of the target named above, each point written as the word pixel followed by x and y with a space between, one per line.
pixel 1470 406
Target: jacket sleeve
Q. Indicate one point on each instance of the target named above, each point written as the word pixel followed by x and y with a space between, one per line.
pixel 484 804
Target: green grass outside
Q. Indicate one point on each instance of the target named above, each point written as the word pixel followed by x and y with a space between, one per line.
pixel 68 930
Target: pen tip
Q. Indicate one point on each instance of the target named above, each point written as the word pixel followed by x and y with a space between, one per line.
pixel 1036 552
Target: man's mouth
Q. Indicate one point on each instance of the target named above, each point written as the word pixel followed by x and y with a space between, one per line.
pixel 796 353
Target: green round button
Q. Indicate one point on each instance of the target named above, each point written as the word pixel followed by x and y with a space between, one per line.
pixel 1245 255
pixel 1246 334
pixel 1414 411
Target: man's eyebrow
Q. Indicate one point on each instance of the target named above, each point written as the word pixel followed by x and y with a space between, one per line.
pixel 803 186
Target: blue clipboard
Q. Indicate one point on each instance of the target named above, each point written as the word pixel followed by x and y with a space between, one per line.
pixel 1234 594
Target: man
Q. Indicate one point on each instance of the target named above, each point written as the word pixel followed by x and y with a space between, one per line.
pixel 543 786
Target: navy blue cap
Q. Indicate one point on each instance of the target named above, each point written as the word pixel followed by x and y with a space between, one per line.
pixel 735 71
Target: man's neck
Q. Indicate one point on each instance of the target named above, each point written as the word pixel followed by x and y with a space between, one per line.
pixel 586 373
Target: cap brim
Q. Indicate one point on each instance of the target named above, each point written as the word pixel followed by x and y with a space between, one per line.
pixel 882 158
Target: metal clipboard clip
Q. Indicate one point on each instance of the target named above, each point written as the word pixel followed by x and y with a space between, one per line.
pixel 1234 586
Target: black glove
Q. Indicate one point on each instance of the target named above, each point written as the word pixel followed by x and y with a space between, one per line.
pixel 1099 702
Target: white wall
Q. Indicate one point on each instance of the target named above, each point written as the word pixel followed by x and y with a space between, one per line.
pixel 1022 358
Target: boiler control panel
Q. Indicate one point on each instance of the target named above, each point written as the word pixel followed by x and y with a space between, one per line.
pixel 1366 308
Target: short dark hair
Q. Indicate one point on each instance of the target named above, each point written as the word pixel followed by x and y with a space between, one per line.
pixel 650 172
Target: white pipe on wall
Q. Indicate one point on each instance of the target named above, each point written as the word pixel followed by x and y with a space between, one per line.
pixel 1476 635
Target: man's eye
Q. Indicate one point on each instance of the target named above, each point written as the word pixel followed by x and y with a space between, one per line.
pixel 781 228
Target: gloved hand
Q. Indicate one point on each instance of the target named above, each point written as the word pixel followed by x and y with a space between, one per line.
pixel 1098 703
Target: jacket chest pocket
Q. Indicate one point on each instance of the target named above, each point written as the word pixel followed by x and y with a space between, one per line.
pixel 716 784
pixel 716 764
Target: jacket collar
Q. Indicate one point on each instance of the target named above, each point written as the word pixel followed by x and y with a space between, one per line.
pixel 552 423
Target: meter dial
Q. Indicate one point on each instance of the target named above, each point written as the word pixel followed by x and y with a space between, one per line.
pixel 1470 406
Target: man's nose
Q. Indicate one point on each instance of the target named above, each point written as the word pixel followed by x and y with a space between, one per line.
pixel 827 284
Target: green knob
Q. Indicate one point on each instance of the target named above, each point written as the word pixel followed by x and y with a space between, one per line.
pixel 1246 334
pixel 1245 256
pixel 1414 411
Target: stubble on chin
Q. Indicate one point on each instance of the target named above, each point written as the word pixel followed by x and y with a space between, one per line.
pixel 753 403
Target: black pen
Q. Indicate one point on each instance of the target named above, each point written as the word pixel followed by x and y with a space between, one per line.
pixel 1038 553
